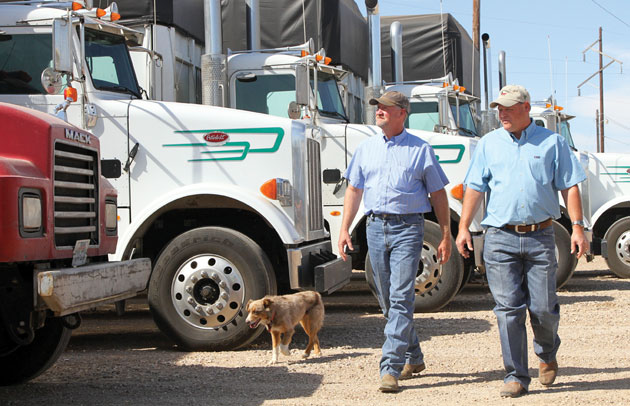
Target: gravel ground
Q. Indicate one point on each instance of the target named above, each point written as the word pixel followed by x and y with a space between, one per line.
pixel 126 360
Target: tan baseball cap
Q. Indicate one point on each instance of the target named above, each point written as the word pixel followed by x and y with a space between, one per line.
pixel 511 95
pixel 392 98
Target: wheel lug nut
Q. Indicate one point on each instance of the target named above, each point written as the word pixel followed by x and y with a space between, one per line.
pixel 191 301
pixel 224 296
pixel 194 279
pixel 198 309
pixel 189 289
pixel 219 306
pixel 223 285
pixel 215 276
pixel 204 274
pixel 209 310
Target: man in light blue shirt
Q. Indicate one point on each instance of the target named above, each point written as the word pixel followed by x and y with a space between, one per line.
pixel 395 174
pixel 522 167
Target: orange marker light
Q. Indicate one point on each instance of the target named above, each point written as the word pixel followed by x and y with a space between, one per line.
pixel 100 12
pixel 76 6
pixel 303 53
pixel 114 17
pixel 327 61
pixel 335 213
pixel 458 192
pixel 269 189
pixel 70 93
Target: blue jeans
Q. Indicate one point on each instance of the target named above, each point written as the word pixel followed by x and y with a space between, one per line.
pixel 395 246
pixel 521 271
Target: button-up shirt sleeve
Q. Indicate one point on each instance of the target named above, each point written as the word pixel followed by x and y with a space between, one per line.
pixel 568 171
pixel 478 174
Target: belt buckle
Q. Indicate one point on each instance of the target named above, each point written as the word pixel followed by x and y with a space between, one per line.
pixel 531 227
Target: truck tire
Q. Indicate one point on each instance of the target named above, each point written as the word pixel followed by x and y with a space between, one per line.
pixel 433 290
pixel 21 363
pixel 567 262
pixel 200 285
pixel 618 247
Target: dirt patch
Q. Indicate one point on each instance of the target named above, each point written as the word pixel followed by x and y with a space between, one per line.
pixel 126 360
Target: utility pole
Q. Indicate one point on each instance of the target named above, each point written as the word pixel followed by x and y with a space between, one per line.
pixel 600 115
pixel 475 25
pixel 601 94
pixel 597 129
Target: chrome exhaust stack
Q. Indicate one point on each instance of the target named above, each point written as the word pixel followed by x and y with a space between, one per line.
pixel 395 34
pixel 253 24
pixel 213 62
pixel 375 86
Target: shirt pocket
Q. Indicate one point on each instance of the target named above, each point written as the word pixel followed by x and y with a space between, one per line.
pixel 402 179
pixel 538 169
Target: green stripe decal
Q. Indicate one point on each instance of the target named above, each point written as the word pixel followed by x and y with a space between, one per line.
pixel 244 147
pixel 459 147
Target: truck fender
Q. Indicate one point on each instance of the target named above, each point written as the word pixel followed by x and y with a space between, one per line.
pixel 279 220
pixel 621 200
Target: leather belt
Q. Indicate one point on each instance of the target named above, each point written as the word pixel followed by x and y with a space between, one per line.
pixel 389 216
pixel 528 228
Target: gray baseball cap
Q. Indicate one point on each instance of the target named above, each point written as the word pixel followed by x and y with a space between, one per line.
pixel 511 95
pixel 392 98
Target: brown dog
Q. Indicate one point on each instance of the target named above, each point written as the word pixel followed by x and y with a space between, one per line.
pixel 280 315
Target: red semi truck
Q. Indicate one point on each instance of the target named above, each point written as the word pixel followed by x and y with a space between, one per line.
pixel 58 223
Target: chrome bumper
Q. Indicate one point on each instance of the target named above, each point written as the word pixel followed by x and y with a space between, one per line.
pixel 70 290
pixel 315 267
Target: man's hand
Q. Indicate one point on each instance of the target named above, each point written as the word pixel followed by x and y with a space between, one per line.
pixel 579 241
pixel 464 242
pixel 344 240
pixel 444 249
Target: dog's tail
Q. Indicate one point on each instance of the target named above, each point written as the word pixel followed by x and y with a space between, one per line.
pixel 316 311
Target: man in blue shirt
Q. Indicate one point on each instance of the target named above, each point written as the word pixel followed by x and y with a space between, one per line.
pixel 522 167
pixel 394 174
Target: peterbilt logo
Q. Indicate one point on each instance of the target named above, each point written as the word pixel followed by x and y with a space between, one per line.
pixel 216 138
pixel 77 136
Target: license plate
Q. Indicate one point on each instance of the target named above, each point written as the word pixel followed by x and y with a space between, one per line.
pixel 79 254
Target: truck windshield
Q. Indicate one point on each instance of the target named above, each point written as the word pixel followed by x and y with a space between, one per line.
pixel 22 60
pixel 423 116
pixel 271 94
pixel 466 122
pixel 109 63
pixel 565 131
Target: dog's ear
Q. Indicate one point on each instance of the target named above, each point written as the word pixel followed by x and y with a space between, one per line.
pixel 247 305
pixel 266 302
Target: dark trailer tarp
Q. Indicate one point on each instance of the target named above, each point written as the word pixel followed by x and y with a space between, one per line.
pixel 422 50
pixel 335 25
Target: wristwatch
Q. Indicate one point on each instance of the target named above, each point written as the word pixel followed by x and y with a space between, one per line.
pixel 578 223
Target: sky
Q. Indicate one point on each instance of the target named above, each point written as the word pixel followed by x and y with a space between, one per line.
pixel 544 43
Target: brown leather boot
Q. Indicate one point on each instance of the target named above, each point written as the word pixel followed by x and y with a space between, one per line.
pixel 410 369
pixel 547 372
pixel 512 390
pixel 389 384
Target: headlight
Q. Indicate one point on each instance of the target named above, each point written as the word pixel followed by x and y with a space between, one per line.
pixel 30 209
pixel 111 216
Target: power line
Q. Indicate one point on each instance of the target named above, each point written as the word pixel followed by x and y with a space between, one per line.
pixel 602 7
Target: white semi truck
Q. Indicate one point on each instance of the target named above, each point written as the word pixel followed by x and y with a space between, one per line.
pixel 267 81
pixel 605 193
pixel 226 203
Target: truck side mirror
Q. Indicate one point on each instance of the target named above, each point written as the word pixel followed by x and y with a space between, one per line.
pixel 302 85
pixel 62 45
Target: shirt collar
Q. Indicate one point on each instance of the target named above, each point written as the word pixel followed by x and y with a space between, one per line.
pixel 397 139
pixel 525 133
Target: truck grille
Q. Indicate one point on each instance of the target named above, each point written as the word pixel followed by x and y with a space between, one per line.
pixel 315 221
pixel 76 195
